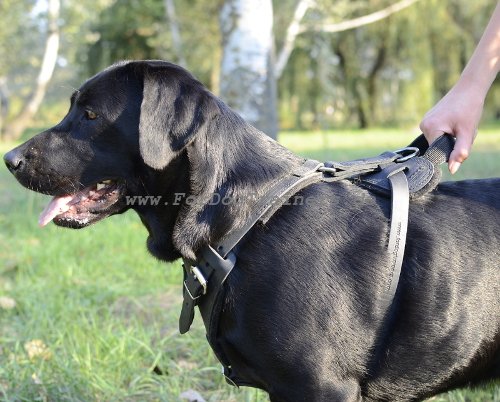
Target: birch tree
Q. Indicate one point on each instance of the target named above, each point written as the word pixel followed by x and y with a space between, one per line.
pixel 21 121
pixel 247 80
pixel 175 31
pixel 248 72
pixel 296 26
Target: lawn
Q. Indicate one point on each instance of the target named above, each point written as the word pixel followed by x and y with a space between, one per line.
pixel 90 316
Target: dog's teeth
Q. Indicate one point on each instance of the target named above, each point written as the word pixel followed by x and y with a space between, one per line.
pixel 91 193
pixel 106 181
pixel 100 186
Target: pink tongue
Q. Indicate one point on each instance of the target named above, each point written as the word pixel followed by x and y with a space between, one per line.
pixel 57 206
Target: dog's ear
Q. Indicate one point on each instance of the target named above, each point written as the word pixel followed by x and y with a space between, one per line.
pixel 175 108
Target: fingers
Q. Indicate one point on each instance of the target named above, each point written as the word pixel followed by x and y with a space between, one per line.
pixel 460 152
pixel 453 166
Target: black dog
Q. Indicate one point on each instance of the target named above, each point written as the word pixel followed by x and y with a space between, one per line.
pixel 303 316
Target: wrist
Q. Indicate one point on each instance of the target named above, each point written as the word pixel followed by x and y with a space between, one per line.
pixel 479 74
pixel 473 87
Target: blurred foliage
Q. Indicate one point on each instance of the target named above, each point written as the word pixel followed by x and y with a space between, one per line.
pixel 15 33
pixel 390 72
pixel 20 43
pixel 139 29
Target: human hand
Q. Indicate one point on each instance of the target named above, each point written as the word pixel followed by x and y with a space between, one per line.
pixel 457 113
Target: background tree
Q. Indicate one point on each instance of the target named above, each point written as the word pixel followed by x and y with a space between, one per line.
pixel 388 72
pixel 247 80
pixel 131 29
pixel 29 109
pixel 175 31
pixel 14 27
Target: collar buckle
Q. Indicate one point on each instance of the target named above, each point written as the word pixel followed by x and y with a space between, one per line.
pixel 193 298
pixel 201 279
pixel 195 283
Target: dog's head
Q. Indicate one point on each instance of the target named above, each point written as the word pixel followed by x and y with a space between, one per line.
pixel 124 124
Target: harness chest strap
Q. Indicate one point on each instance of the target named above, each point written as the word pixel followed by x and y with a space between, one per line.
pixel 216 263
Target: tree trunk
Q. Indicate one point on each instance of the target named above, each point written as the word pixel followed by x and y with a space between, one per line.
pixel 175 31
pixel 372 78
pixel 247 80
pixel 360 106
pixel 16 127
pixel 291 34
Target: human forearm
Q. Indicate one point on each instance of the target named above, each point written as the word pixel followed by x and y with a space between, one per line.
pixel 484 64
pixel 459 111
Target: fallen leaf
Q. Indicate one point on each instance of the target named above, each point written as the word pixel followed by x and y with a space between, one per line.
pixel 37 349
pixel 7 303
pixel 36 379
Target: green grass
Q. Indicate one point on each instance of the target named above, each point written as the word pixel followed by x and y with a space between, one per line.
pixel 107 311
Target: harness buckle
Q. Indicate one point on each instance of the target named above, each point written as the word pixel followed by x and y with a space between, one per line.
pixel 186 287
pixel 201 279
pixel 194 279
pixel 410 152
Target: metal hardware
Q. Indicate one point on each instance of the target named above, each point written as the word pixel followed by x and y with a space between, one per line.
pixel 414 151
pixel 226 372
pixel 196 272
pixel 189 293
pixel 199 276
pixel 325 169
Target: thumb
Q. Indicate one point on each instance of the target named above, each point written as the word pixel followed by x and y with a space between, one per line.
pixel 460 152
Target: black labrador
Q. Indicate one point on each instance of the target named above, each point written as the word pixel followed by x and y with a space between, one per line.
pixel 303 316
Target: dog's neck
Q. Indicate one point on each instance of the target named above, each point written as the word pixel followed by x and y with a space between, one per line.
pixel 159 217
pixel 227 175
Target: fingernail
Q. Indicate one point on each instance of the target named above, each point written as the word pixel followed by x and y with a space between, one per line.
pixel 454 166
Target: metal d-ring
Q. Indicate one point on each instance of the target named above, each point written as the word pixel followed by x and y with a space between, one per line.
pixel 414 151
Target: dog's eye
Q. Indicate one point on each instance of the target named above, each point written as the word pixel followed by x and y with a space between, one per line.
pixel 90 115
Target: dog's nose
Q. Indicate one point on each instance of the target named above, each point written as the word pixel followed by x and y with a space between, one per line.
pixel 13 160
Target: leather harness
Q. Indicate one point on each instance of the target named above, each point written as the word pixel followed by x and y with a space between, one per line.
pixel 402 175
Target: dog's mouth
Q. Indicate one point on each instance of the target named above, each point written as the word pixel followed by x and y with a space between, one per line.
pixel 84 207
